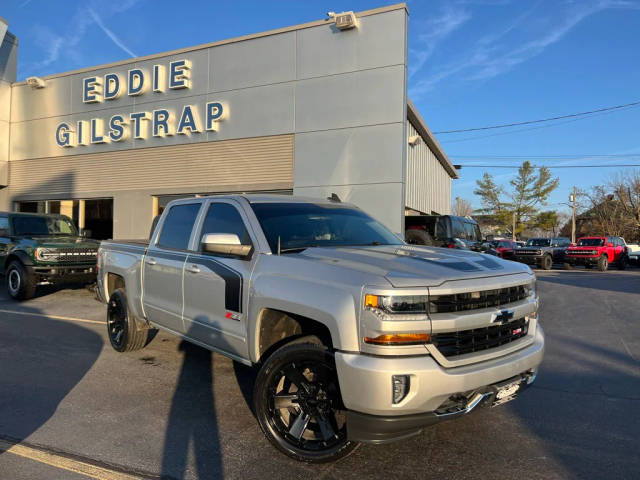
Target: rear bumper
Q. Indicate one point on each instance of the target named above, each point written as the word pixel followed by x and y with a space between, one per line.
pixel 63 274
pixel 366 388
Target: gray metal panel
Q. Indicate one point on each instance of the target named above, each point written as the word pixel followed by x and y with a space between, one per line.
pixel 251 63
pixel 30 103
pixel 368 97
pixel 8 58
pixel 349 156
pixel 232 163
pixel 428 183
pixel 377 42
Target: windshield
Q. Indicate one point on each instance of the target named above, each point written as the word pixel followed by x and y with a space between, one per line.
pixel 26 226
pixel 302 225
pixel 591 242
pixel 539 242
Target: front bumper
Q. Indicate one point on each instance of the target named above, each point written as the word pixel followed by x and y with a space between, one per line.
pixel 528 259
pixel 63 274
pixel 581 260
pixel 365 385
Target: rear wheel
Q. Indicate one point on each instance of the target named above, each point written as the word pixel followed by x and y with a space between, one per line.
pixel 416 236
pixel 622 262
pixel 124 334
pixel 20 285
pixel 298 404
pixel 547 262
pixel 603 263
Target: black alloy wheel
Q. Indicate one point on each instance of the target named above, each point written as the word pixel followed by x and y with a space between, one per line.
pixel 117 321
pixel 20 285
pixel 299 406
pixel 547 262
pixel 603 263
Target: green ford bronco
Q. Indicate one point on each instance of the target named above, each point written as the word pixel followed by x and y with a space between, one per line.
pixel 38 249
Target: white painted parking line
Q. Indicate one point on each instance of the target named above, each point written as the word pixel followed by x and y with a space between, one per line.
pixel 52 317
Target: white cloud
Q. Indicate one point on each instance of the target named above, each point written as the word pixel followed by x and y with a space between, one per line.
pixel 53 43
pixel 433 32
pixel 498 53
pixel 110 34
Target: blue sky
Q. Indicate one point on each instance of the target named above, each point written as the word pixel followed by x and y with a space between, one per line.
pixel 471 63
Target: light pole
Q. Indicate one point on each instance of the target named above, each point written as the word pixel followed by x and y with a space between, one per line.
pixel 572 199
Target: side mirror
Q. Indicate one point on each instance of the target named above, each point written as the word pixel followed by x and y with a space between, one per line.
pixel 225 244
pixel 574 244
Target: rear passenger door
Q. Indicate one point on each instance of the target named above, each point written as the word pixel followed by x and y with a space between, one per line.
pixel 164 267
pixel 4 240
pixel 215 286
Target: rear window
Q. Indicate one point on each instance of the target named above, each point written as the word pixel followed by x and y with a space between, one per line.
pixel 176 229
pixel 591 242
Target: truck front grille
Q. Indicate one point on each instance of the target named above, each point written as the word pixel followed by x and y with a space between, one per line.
pixel 68 256
pixel 451 344
pixel 475 300
pixel 581 252
pixel 523 251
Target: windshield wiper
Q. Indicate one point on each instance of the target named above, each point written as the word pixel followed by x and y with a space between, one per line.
pixel 294 249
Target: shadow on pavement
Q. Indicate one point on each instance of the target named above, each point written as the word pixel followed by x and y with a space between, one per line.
pixel 192 419
pixel 39 366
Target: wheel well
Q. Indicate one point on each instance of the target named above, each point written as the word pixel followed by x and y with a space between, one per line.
pixel 113 283
pixel 278 327
pixel 8 261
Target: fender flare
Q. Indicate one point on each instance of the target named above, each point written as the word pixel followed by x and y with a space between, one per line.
pixel 22 256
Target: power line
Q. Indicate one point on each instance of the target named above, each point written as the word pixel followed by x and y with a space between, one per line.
pixel 554 166
pixel 541 120
pixel 561 155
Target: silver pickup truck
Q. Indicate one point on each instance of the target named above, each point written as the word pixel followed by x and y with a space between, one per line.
pixel 357 336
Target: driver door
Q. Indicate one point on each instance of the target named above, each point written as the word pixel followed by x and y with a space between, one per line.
pixel 216 285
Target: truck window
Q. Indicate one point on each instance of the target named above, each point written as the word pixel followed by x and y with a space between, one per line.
pixel 177 227
pixel 4 226
pixel 225 218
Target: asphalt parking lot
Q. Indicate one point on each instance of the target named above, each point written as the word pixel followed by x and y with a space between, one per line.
pixel 174 410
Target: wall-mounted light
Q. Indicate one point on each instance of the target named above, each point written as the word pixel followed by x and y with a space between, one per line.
pixel 36 82
pixel 344 20
pixel 414 140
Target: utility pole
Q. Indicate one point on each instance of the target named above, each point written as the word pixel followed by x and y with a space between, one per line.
pixel 513 229
pixel 572 199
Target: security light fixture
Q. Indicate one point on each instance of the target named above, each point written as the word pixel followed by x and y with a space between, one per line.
pixel 344 20
pixel 414 140
pixel 35 82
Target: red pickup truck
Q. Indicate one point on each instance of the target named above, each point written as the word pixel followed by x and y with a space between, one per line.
pixel 600 251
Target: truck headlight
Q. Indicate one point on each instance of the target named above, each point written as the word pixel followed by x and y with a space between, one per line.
pixel 397 304
pixel 531 288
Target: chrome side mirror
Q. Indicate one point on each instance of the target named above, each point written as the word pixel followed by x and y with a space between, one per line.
pixel 225 244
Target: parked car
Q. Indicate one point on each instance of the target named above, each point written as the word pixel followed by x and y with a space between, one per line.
pixel 598 251
pixel 39 249
pixel 633 252
pixel 504 247
pixel 357 336
pixel 542 252
pixel 448 231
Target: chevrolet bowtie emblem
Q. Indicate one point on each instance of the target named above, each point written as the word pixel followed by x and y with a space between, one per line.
pixel 503 317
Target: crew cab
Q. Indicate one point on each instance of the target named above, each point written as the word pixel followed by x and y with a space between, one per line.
pixel 449 231
pixel 598 251
pixel 355 335
pixel 39 249
pixel 542 252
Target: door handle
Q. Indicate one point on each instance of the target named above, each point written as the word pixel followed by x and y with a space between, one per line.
pixel 193 269
pixel 150 261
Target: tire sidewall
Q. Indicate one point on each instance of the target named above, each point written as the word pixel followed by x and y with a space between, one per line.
pixel 119 296
pixel 547 262
pixel 285 355
pixel 603 263
pixel 25 288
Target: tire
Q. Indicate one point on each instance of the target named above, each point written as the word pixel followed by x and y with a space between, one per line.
pixel 415 236
pixel 622 262
pixel 20 285
pixel 309 423
pixel 568 266
pixel 547 262
pixel 124 334
pixel 603 263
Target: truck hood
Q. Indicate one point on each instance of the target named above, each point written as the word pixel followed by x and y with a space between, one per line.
pixel 417 266
pixel 59 242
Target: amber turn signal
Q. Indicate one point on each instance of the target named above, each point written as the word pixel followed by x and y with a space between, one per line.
pixel 371 301
pixel 399 339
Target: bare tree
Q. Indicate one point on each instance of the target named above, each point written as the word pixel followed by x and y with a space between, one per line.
pixel 462 207
pixel 626 190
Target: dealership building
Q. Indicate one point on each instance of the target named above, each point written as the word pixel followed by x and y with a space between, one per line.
pixel 314 109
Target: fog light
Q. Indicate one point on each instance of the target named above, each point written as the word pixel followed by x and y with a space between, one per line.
pixel 400 385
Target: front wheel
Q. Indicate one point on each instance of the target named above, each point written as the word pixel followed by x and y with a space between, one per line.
pixel 20 285
pixel 547 262
pixel 298 404
pixel 603 263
